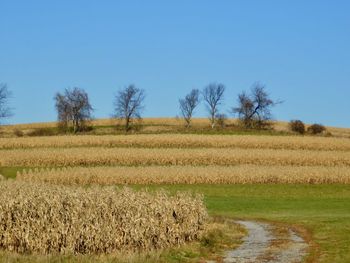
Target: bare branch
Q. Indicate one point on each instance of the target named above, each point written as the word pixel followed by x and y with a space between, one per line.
pixel 129 104
pixel 73 107
pixel 254 110
pixel 213 95
pixel 188 105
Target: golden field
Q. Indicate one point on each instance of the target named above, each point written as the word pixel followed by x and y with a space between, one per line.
pixel 170 156
pixel 48 219
pixel 109 122
pixel 45 210
pixel 241 174
pixel 181 141
pixel 180 158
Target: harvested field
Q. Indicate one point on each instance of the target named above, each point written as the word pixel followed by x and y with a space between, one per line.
pixel 243 174
pixel 41 218
pixel 144 156
pixel 271 165
pixel 181 141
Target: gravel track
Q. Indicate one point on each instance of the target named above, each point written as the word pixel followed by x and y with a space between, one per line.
pixel 261 245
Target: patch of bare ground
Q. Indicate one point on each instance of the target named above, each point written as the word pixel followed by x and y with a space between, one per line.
pixel 269 243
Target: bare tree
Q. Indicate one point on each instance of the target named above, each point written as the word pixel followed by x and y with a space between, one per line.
pixel 73 108
pixel 213 95
pixel 188 105
pixel 5 111
pixel 63 111
pixel 129 105
pixel 254 110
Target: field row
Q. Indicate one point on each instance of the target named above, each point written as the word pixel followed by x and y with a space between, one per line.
pixel 42 218
pixel 243 174
pixel 144 156
pixel 182 141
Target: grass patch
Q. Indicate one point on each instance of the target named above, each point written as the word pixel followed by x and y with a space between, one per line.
pixel 323 210
pixel 10 172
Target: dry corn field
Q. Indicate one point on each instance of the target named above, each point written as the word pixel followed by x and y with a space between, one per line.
pixel 176 158
pixel 156 156
pixel 46 211
pixel 189 175
pixel 181 141
pixel 48 219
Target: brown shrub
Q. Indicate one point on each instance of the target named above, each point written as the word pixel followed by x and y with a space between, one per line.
pixel 297 126
pixel 316 129
pixel 18 133
pixel 45 219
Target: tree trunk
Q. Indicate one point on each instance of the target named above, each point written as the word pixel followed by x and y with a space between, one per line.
pixel 127 124
pixel 212 121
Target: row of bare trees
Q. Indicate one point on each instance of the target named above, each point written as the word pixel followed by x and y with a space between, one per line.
pixel 74 109
pixel 253 109
pixel 213 95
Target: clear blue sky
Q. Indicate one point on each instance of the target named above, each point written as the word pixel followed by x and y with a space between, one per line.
pixel 299 49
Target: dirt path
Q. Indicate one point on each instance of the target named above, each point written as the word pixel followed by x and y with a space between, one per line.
pixel 266 243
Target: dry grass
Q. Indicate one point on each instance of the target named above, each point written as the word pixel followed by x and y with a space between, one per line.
pixel 157 125
pixel 335 131
pixel 46 219
pixel 279 125
pixel 246 174
pixel 108 122
pixel 144 156
pixel 181 141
